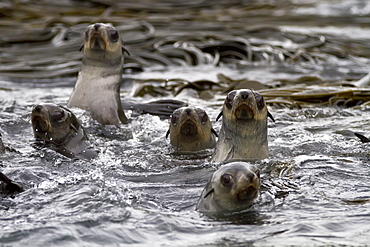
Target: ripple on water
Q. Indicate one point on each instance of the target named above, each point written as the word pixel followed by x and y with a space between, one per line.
pixel 138 191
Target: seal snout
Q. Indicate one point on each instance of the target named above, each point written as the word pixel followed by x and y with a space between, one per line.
pixel 188 111
pixel 189 125
pixel 244 94
pixel 39 124
pixel 250 187
pixel 96 26
pixel 189 128
pixel 244 112
pixel 248 193
pixel 39 118
pixel 38 108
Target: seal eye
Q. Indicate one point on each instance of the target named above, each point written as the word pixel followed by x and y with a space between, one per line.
pixel 113 35
pixel 226 179
pixel 229 99
pixel 259 100
pixel 203 117
pixel 58 115
pixel 175 118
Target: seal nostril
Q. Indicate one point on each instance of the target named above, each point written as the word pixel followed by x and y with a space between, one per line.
pixel 250 176
pixel 188 111
pixel 244 94
pixel 96 26
pixel 38 108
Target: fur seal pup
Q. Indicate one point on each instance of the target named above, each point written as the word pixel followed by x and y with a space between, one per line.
pixel 243 133
pixel 191 130
pixel 57 125
pixel 232 187
pixel 8 187
pixel 97 89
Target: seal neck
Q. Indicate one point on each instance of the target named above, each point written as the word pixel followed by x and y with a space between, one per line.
pixel 103 61
pixel 246 129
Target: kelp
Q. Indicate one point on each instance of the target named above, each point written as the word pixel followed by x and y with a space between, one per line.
pixel 41 39
pixel 293 95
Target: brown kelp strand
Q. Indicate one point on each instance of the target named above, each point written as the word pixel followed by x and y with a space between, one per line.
pixel 41 37
pixel 283 93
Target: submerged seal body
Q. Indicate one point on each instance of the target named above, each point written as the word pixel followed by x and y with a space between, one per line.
pixel 57 125
pixel 233 187
pixel 243 133
pixel 97 89
pixel 191 130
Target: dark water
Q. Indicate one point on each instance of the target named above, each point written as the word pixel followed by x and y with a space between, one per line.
pixel 315 185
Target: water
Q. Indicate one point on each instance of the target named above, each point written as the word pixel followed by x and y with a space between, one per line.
pixel 315 186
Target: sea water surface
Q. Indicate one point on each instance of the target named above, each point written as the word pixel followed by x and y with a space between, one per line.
pixel 315 184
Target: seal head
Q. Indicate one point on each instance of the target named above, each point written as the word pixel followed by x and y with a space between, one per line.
pixel 191 130
pixel 233 187
pixel 97 89
pixel 57 125
pixel 243 133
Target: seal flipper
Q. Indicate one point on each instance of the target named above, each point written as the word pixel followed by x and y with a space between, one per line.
pixel 363 138
pixel 9 186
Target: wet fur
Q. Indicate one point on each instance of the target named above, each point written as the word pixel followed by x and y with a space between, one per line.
pixel 204 138
pixel 97 89
pixel 242 139
pixel 216 197
pixel 67 137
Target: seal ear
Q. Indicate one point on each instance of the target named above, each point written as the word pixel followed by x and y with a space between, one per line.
pixel 270 116
pixel 219 115
pixel 124 50
pixel 209 192
pixel 81 47
pixel 168 133
pixel 214 132
pixel 75 125
pixel 258 173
